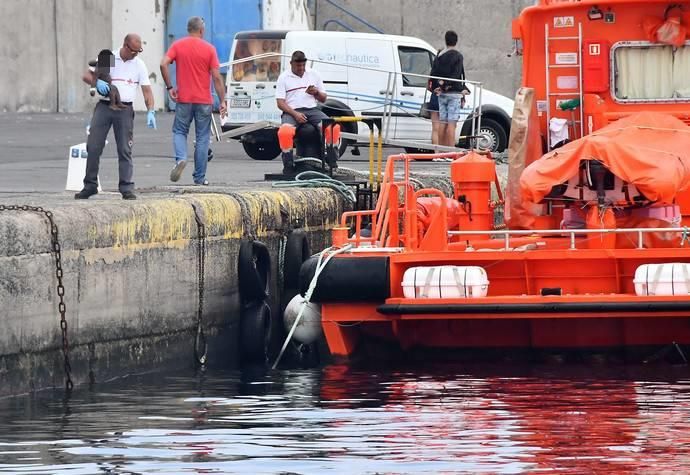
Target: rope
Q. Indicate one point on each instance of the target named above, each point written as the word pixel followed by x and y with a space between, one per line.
pixel 281 260
pixel 313 179
pixel 320 266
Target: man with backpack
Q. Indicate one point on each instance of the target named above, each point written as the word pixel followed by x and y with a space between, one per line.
pixel 449 64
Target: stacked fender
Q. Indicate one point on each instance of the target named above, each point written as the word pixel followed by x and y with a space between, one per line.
pixel 254 280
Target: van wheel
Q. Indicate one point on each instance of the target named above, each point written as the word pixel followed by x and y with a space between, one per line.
pixel 492 136
pixel 262 150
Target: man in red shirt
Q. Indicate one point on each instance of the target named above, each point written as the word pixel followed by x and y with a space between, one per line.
pixel 197 62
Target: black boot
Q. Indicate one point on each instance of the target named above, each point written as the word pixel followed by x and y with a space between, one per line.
pixel 85 193
pixel 288 163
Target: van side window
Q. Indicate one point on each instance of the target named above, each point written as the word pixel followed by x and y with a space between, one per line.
pixel 652 73
pixel 263 69
pixel 416 61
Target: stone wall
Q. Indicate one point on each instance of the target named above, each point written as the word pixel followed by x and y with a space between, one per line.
pixel 45 47
pixel 131 281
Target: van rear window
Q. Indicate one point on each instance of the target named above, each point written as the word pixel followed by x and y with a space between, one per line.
pixel 649 72
pixel 260 69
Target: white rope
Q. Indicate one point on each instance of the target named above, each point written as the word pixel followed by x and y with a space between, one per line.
pixel 320 266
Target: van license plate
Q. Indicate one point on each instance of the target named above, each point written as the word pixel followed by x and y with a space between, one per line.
pixel 240 102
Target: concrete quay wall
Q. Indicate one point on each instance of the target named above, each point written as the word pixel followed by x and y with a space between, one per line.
pixel 131 280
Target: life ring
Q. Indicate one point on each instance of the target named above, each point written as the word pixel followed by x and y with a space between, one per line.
pixel 255 332
pixel 253 271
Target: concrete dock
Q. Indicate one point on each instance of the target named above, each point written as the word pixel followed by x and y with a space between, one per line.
pixel 130 268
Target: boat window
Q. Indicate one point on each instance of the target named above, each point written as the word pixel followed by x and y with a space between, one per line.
pixel 416 61
pixel 652 73
pixel 263 69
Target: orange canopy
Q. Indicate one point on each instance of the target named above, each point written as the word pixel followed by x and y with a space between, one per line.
pixel 648 149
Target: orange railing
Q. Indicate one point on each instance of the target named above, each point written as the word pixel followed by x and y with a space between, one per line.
pixel 389 214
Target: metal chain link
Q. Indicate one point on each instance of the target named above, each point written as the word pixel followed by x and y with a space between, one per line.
pixel 57 252
pixel 200 354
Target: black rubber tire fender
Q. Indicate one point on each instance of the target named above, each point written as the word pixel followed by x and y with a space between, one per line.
pixel 296 252
pixel 255 332
pixel 253 271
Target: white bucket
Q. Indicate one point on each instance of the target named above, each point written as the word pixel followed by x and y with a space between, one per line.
pixel 445 282
pixel 671 278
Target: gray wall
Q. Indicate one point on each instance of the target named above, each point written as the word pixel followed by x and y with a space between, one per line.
pixel 483 27
pixel 44 49
pixel 45 44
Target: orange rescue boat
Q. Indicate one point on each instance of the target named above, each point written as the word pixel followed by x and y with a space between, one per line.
pixel 593 252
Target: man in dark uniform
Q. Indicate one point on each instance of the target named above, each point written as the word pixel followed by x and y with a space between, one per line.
pixel 128 72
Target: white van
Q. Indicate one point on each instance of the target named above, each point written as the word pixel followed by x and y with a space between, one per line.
pixel 351 91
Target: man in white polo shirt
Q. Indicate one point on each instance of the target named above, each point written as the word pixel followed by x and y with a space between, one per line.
pixel 297 93
pixel 127 73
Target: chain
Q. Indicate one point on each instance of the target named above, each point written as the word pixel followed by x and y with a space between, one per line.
pixel 57 252
pixel 200 345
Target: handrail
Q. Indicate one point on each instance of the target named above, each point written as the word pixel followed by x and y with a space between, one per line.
pixel 337 22
pixel 389 103
pixel 507 233
pixel 347 12
pixel 387 203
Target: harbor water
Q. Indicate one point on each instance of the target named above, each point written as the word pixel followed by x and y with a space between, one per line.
pixel 416 418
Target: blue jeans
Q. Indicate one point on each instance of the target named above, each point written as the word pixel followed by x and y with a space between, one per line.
pixel 201 113
pixel 449 108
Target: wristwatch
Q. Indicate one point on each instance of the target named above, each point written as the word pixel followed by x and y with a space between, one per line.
pixel 168 87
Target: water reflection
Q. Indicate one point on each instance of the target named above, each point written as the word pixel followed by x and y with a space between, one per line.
pixel 434 418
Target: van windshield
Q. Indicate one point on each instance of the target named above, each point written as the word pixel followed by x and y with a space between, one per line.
pixel 652 72
pixel 263 69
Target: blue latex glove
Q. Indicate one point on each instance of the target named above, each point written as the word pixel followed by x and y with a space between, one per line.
pixel 151 119
pixel 102 87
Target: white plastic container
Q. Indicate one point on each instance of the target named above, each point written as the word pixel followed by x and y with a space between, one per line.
pixel 445 282
pixel 76 168
pixel 663 279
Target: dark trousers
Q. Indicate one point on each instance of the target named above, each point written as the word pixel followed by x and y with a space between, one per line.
pixel 314 117
pixel 122 122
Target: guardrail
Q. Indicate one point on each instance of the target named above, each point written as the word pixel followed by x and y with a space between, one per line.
pixel 388 102
pixel 506 233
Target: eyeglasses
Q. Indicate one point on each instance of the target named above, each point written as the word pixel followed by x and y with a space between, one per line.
pixel 135 51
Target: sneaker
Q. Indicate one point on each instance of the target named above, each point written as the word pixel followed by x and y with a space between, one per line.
pixel 202 183
pixel 176 172
pixel 85 194
pixel 128 195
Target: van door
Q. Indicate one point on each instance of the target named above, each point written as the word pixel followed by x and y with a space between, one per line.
pixel 370 60
pixel 411 93
pixel 322 51
pixel 251 84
